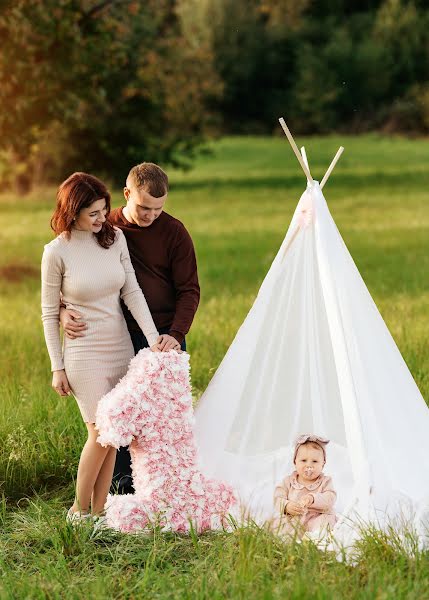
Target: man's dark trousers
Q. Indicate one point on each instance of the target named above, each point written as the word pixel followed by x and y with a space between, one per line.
pixel 122 481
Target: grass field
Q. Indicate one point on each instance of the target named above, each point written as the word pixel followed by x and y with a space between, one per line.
pixel 237 204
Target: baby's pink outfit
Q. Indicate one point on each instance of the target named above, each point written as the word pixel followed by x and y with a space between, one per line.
pixel 319 514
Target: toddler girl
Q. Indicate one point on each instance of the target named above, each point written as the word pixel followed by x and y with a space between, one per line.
pixel 305 500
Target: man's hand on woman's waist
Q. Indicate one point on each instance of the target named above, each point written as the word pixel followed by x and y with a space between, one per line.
pixel 72 323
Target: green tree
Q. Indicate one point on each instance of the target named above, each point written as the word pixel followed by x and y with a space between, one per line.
pixel 328 65
pixel 255 48
pixel 342 79
pixel 98 86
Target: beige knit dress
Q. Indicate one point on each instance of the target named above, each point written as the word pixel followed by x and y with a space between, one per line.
pixel 92 280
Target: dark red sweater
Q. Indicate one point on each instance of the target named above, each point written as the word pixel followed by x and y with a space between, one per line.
pixel 163 258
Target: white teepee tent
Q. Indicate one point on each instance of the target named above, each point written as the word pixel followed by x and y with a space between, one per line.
pixel 315 356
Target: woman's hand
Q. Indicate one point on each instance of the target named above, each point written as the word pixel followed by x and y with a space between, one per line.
pixel 294 508
pixel 60 383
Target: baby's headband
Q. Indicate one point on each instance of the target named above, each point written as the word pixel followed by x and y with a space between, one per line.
pixel 309 437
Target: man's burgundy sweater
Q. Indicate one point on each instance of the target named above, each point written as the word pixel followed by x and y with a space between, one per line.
pixel 163 258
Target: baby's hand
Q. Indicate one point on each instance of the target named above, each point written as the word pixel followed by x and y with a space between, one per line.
pixel 307 500
pixel 294 508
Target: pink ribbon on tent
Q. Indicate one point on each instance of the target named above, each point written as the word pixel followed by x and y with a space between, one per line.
pixel 306 213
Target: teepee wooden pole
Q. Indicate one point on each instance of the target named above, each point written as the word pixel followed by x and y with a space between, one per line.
pixel 295 149
pixel 331 166
pixel 304 157
pixel 291 240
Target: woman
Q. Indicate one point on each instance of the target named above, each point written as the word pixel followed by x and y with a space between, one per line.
pixel 88 266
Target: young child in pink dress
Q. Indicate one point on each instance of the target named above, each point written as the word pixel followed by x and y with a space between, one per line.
pixel 304 501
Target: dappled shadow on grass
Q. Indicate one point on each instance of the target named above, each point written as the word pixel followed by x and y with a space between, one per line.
pixel 389 265
pixel 410 179
pixel 15 273
pixel 35 207
pixel 20 485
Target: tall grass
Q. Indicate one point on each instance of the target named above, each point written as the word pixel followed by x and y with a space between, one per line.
pixel 237 204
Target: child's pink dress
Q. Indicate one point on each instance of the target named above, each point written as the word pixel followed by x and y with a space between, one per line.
pixel 320 514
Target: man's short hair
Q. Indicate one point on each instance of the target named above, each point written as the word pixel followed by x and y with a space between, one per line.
pixel 149 177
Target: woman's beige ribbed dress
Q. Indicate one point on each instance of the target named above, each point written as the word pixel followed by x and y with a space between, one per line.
pixel 92 280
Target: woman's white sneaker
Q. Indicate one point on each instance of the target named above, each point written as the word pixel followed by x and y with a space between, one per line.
pixel 76 517
pixel 100 522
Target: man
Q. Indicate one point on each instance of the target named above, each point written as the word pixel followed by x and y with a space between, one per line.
pixel 163 258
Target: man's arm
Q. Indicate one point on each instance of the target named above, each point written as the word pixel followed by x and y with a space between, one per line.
pixel 185 278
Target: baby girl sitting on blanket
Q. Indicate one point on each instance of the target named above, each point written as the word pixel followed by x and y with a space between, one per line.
pixel 305 500
pixel 150 409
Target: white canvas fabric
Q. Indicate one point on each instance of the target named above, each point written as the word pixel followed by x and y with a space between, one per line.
pixel 315 356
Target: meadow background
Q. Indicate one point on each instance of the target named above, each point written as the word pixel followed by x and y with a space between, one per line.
pixel 237 202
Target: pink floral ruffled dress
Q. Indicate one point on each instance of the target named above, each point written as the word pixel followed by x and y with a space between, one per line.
pixel 320 514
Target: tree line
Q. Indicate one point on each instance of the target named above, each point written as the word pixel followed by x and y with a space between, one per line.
pixel 100 85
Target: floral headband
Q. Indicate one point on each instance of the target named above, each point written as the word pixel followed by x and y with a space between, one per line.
pixel 309 437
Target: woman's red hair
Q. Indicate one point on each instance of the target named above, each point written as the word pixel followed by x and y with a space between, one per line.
pixel 79 191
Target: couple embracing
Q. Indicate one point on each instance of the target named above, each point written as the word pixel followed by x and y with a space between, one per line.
pixel 119 281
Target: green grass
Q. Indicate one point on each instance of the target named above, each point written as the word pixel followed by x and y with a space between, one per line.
pixel 237 204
